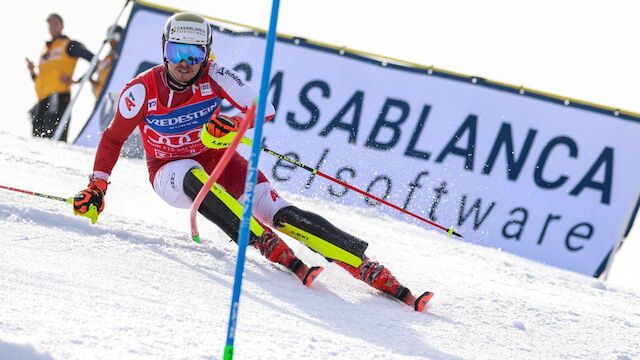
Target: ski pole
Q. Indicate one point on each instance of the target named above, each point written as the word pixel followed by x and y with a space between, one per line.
pixel 450 231
pixel 91 213
pixel 217 171
pixel 46 196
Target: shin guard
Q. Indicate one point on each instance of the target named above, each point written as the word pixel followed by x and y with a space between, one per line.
pixel 320 235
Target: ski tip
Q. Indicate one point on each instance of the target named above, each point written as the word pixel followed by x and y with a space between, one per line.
pixel 311 275
pixel 422 300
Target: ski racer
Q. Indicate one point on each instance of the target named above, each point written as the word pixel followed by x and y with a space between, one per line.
pixel 170 103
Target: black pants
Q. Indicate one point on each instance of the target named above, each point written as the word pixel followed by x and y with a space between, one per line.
pixel 46 115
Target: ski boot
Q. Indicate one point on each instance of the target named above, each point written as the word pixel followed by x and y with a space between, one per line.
pixel 277 251
pixel 380 278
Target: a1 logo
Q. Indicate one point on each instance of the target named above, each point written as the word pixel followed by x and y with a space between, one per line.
pixel 131 101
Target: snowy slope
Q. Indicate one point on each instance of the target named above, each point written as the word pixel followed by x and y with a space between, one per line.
pixel 134 286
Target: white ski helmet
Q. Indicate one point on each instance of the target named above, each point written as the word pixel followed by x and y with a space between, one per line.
pixel 187 28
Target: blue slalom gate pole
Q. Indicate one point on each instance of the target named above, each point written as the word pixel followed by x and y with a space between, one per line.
pixel 252 174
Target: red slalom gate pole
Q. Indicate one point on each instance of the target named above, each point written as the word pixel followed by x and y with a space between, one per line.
pixel 217 171
pixel 450 231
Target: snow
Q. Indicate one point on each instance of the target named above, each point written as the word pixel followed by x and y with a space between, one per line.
pixel 135 286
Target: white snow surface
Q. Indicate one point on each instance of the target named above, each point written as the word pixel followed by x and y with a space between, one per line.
pixel 134 286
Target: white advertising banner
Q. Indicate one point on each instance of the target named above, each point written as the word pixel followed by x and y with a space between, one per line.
pixel 539 177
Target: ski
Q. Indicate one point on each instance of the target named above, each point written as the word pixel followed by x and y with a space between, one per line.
pixel 311 275
pixel 420 303
pixel 307 274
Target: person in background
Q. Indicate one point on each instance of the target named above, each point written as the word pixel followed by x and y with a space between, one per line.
pixel 103 68
pixel 54 78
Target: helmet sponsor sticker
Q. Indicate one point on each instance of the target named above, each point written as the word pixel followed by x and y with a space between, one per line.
pixel 131 101
pixel 189 32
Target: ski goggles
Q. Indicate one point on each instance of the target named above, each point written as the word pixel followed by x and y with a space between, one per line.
pixel 192 54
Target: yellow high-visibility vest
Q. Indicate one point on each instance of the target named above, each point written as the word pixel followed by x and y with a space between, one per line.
pixel 54 64
pixel 103 67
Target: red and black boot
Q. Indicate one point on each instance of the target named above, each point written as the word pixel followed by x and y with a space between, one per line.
pixel 380 278
pixel 277 251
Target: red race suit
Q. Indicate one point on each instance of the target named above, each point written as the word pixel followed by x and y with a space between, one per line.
pixel 170 121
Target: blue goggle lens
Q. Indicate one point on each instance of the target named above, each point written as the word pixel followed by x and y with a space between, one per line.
pixel 192 54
